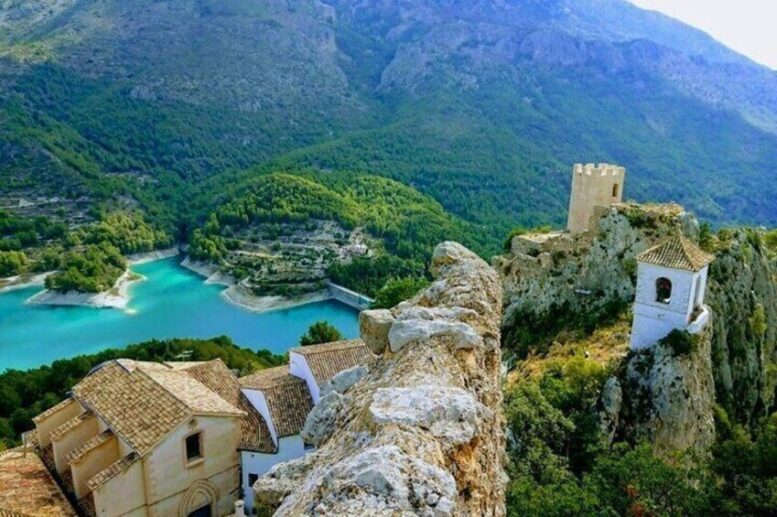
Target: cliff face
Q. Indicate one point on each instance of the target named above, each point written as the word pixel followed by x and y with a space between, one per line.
pixel 421 430
pixel 665 397
pixel 743 296
pixel 559 282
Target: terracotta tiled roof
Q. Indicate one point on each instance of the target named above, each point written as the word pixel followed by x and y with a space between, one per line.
pixel 194 394
pixel 93 442
pixel 9 513
pixel 134 406
pixel 113 470
pixel 265 378
pixel 27 488
pixel 53 409
pixel 677 253
pixel 255 436
pixel 287 396
pixel 143 402
pixel 61 430
pixel 329 359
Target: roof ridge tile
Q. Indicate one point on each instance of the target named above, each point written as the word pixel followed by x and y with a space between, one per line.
pixel 111 471
pixel 677 252
pixel 79 452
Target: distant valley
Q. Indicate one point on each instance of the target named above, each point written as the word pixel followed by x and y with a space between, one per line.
pixel 176 110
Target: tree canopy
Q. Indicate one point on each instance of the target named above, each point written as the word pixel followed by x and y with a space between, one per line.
pixel 320 332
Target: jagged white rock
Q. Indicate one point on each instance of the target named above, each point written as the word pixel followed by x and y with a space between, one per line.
pixel 611 402
pixel 321 420
pixel 405 331
pixel 344 380
pixel 446 412
pixel 374 326
pixel 444 313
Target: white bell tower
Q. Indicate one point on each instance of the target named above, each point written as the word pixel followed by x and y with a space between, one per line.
pixel 671 283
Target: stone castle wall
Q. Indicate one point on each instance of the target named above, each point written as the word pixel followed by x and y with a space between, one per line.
pixel 593 185
pixel 420 431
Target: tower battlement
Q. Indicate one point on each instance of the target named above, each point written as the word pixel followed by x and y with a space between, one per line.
pixel 600 170
pixel 593 185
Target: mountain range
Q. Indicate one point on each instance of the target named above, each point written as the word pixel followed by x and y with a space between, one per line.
pixel 176 106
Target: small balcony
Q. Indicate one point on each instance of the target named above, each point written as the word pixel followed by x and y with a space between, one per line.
pixel 699 319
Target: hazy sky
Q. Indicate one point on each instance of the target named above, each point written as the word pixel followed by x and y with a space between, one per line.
pixel 747 26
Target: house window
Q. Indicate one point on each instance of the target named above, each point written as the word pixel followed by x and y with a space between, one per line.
pixel 309 446
pixel 664 290
pixel 193 447
pixel 615 190
pixel 252 478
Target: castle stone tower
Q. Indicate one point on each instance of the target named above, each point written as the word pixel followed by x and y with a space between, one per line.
pixel 671 282
pixel 592 186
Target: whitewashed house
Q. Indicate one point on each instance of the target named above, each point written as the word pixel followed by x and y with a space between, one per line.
pixel 284 402
pixel 319 363
pixel 671 283
pixel 284 396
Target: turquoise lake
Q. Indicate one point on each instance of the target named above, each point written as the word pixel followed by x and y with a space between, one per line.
pixel 172 302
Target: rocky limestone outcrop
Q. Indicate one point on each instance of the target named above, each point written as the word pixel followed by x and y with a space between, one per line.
pixel 553 280
pixel 421 433
pixel 666 398
pixel 558 281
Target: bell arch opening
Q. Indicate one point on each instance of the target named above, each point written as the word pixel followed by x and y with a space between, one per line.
pixel 664 290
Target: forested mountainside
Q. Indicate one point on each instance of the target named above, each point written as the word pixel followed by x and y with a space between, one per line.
pixel 481 105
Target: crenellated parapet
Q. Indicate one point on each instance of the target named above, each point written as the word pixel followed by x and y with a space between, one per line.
pixel 592 186
pixel 600 170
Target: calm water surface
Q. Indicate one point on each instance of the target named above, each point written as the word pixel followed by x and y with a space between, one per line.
pixel 172 302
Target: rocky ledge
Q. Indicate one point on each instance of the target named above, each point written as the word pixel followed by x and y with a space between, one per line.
pixel 420 431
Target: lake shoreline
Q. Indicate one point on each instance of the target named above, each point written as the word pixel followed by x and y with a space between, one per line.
pixel 14 283
pixel 171 304
pixel 150 256
pixel 116 298
pixel 238 295
pixel 208 271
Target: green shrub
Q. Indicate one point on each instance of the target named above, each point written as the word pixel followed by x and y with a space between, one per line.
pixel 638 218
pixel 93 269
pixel 680 341
pixel 758 321
pixel 12 263
pixel 398 290
pixel 706 238
pixel 770 240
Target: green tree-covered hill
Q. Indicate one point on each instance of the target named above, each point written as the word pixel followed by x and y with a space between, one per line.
pixel 483 106
pixel 405 224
